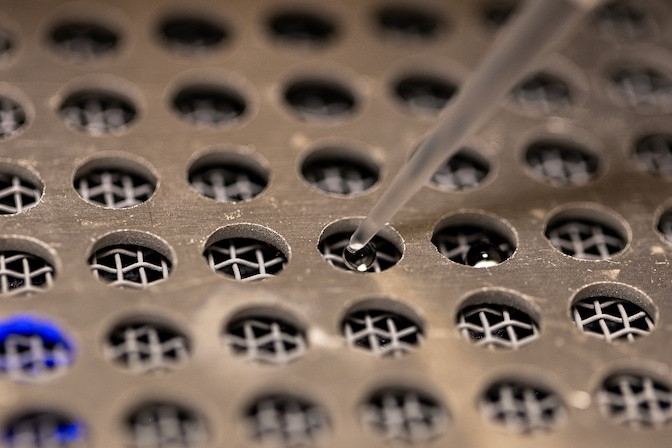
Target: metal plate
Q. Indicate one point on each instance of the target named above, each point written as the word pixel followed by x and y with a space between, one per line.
pixel 292 215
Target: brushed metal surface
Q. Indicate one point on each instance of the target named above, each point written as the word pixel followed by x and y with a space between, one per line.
pixel 200 302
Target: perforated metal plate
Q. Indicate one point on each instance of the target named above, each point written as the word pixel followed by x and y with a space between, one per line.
pixel 158 93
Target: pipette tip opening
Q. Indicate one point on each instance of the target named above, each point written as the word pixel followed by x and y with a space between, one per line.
pixel 359 257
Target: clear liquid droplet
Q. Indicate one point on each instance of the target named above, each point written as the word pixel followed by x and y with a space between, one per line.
pixel 360 259
pixel 483 255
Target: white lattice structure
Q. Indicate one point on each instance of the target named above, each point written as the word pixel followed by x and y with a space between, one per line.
pixel 383 333
pixel 643 87
pixel 97 113
pixel 404 415
pixel 83 40
pixel 147 347
pixel 22 273
pixel 636 400
pixel 43 429
pixel 114 189
pixel 586 240
pixel 561 165
pixel 612 319
pixel 30 357
pixel 542 92
pixel 245 259
pixel 625 20
pixel 129 266
pixel 192 34
pixel 655 153
pixel 317 100
pixel 208 107
pixel 460 172
pixel 521 408
pixel 287 422
pixel 339 176
pixel 423 94
pixel 497 326
pixel 17 194
pixel 264 339
pixel 228 183
pixel 12 117
pixel 166 425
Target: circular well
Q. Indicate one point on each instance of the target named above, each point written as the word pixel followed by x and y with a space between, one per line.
pixel 636 399
pixel 272 420
pixel 385 328
pixel 561 163
pixel 340 170
pixel 465 170
pixel 301 27
pixel 7 45
pixel 228 175
pixel 623 19
pixel 188 33
pixel 408 23
pixel 319 99
pixel 613 312
pixel 29 266
pixel 38 427
pixel 34 349
pixel 20 188
pixel 475 239
pixel 404 414
pixel 265 335
pixel 83 40
pixel 641 86
pixel 13 116
pixel 522 407
pixel 498 319
pixel 497 13
pixel 146 344
pixel 543 92
pixel 98 111
pixel 336 236
pixel 424 94
pixel 654 152
pixel 160 423
pixel 209 105
pixel 115 182
pixel 246 252
pixel 587 232
pixel 131 259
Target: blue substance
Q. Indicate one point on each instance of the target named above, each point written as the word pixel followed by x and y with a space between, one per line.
pixel 69 432
pixel 66 431
pixel 28 325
